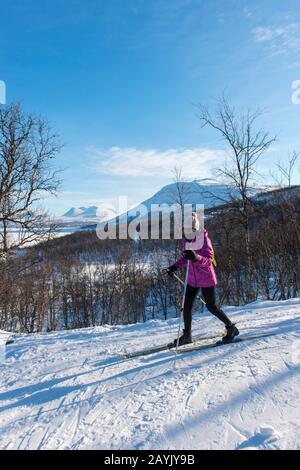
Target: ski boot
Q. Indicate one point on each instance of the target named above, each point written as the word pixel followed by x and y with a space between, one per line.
pixel 185 338
pixel 231 333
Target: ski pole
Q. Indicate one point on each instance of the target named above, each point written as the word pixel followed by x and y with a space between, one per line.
pixel 181 282
pixel 182 307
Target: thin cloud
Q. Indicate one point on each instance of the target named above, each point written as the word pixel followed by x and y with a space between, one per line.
pixel 279 39
pixel 133 162
pixel 248 13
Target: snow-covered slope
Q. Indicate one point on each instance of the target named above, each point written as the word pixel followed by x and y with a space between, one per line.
pixel 71 390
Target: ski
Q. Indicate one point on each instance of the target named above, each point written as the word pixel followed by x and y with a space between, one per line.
pixel 165 347
pixel 202 347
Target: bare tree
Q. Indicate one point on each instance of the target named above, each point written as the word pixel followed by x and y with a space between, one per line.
pixel 27 148
pixel 180 191
pixel 287 170
pixel 246 142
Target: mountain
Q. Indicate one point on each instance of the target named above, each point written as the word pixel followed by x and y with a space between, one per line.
pixel 91 212
pixel 72 390
pixel 205 191
pixel 74 212
pixel 201 191
pixel 83 218
pixel 209 192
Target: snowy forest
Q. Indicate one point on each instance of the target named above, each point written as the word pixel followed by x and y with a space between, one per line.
pixel 79 281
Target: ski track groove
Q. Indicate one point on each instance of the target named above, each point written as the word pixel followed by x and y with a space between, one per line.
pixel 256 394
pixel 128 404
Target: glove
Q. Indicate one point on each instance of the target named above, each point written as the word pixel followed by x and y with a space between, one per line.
pixel 190 255
pixel 171 269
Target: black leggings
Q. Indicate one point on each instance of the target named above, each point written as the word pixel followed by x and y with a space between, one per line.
pixel 208 294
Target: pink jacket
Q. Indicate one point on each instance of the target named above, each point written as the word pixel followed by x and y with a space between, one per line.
pixel 201 272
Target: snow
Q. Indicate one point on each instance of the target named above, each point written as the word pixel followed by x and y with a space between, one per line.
pixel 73 390
pixel 4 337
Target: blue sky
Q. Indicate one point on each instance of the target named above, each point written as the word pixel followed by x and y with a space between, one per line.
pixel 119 80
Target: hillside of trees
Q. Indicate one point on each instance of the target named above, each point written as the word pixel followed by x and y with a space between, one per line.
pixel 79 281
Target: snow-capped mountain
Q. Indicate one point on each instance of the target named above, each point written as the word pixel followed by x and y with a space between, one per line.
pixel 91 212
pixel 74 212
pixel 209 192
pixel 78 218
pixel 205 191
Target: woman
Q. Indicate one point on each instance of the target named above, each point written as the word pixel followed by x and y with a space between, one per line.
pixel 201 276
